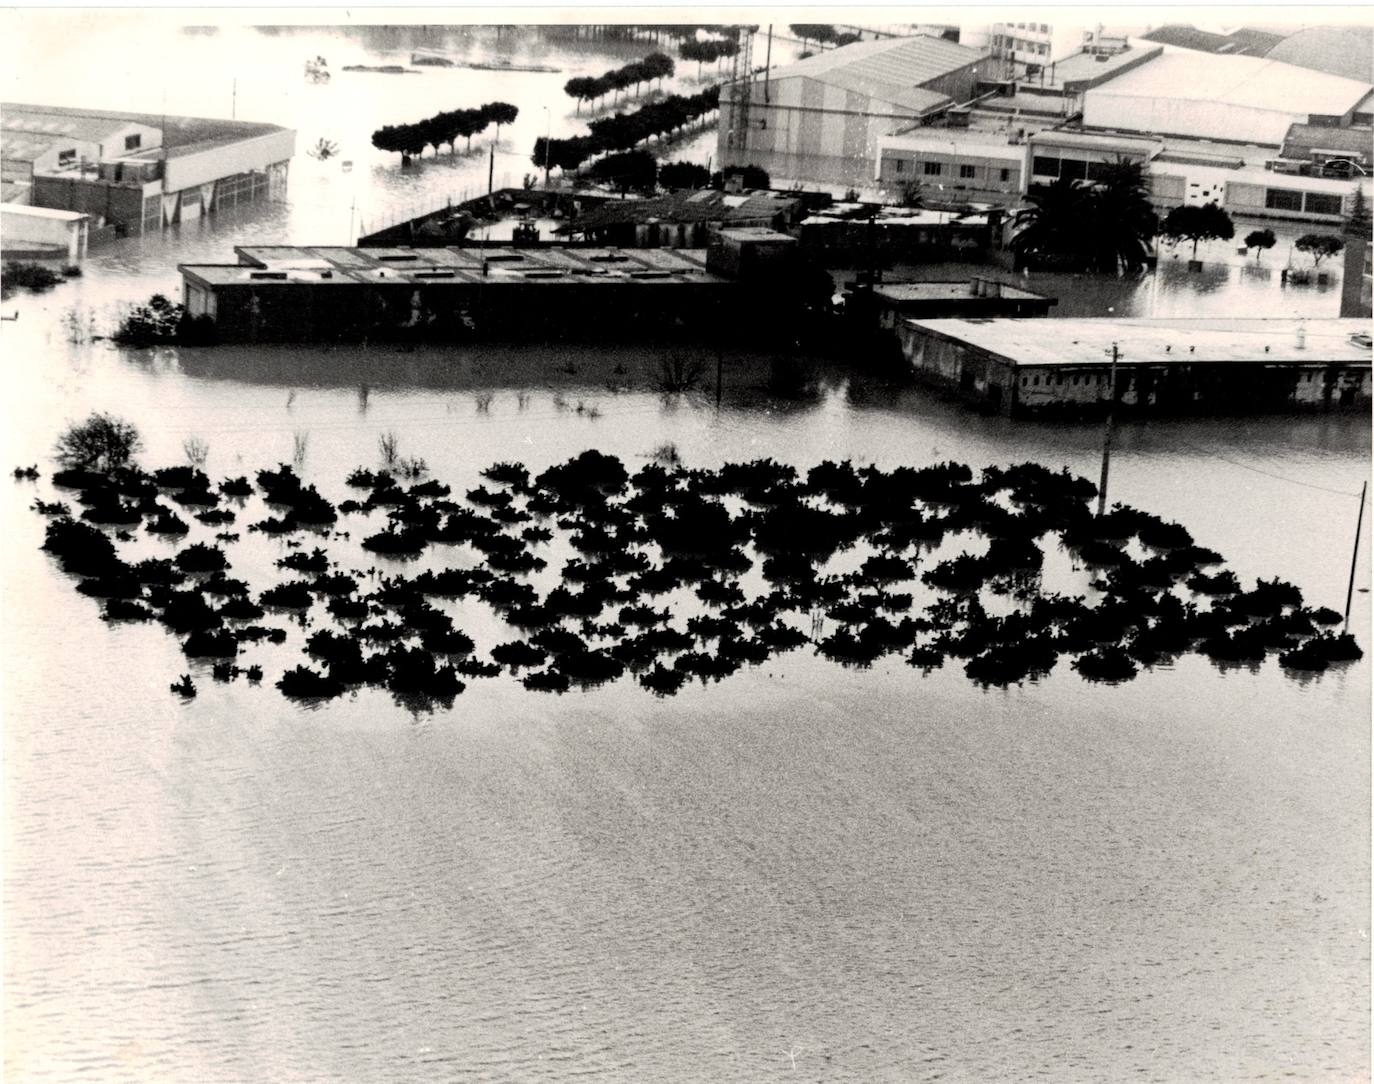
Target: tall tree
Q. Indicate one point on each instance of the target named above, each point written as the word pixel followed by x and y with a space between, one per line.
pixel 500 113
pixel 1050 225
pixel 1121 220
pixel 1319 246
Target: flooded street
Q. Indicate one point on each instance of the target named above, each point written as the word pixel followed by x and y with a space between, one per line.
pixel 803 872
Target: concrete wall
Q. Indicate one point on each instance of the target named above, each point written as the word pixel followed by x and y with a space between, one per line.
pixel 21 229
pixel 202 167
pixel 899 165
pixel 120 204
pixel 809 130
pixel 1170 116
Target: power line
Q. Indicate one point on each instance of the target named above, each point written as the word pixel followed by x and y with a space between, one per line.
pixel 1267 474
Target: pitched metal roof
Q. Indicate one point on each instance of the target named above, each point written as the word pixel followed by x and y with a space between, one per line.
pixel 891 70
pixel 1347 51
pixel 1249 81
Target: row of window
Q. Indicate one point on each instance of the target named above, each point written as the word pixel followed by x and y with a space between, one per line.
pixel 1058 379
pixel 1075 169
pixel 967 172
pixel 1314 203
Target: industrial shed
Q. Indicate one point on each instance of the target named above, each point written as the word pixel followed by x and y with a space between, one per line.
pixel 820 119
pixel 1241 99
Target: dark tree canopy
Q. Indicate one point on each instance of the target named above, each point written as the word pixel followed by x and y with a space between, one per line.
pixel 1260 240
pixel 1207 222
pixel 632 170
pixel 1100 225
pixel 684 175
pixel 1319 246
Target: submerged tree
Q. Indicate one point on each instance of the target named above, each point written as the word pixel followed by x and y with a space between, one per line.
pixel 101 442
pixel 1194 223
pixel 1319 246
pixel 1260 240
pixel 1100 225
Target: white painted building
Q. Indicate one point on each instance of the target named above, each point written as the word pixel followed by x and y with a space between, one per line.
pixel 43 233
pixel 1240 98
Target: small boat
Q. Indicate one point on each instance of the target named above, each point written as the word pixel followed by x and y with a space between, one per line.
pixel 507 66
pixel 317 70
pixel 430 60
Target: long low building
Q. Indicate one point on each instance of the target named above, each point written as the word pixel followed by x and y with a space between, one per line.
pixel 1204 365
pixel 329 294
pixel 135 173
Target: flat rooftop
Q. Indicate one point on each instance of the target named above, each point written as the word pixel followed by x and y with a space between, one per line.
pixel 341 266
pixel 943 291
pixel 1083 68
pixel 1032 343
pixel 987 143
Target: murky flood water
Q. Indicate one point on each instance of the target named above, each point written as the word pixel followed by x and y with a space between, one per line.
pixel 803 871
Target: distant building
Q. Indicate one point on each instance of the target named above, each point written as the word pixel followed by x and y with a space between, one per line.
pixel 1347 51
pixel 1212 365
pixel 1242 99
pixel 680 219
pixel 136 172
pixel 1244 41
pixel 820 119
pixel 887 304
pixel 1018 46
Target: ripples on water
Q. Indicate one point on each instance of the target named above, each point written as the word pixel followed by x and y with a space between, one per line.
pixel 804 871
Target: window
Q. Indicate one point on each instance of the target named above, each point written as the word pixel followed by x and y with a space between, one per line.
pixel 966 171
pixel 1045 167
pixel 133 142
pixel 1073 168
pixel 1322 204
pixel 1036 381
pixel 1283 199
pixel 66 158
pixel 1044 28
pixel 1006 174
pixel 1095 170
pixel 932 169
pixel 900 165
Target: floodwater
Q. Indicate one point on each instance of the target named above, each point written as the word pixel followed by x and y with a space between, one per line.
pixel 803 872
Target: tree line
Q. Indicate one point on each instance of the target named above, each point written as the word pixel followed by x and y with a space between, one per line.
pixel 624 130
pixel 821 34
pixel 410 140
pixel 708 51
pixel 587 88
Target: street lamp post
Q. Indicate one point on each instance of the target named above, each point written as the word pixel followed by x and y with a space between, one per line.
pixel 548 130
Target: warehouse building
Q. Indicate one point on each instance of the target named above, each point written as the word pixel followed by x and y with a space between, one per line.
pixel 1212 365
pixel 958 164
pixel 134 172
pixel 1243 99
pixel 821 118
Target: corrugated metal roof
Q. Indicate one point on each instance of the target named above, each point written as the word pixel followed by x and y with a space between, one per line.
pixel 23 148
pixel 43 122
pixel 1347 51
pixel 1249 81
pixel 890 69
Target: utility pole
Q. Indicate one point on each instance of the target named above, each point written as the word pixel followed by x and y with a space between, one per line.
pixel 767 64
pixel 491 165
pixel 1355 557
pixel 548 130
pixel 1107 436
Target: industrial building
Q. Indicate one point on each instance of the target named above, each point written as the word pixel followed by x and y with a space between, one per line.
pixel 335 294
pixel 887 304
pixel 820 119
pixel 135 172
pixel 1346 51
pixel 1242 99
pixel 958 163
pixel 1213 365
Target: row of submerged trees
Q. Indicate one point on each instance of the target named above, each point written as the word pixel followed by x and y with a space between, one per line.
pixel 1108 223
pixel 822 34
pixel 624 131
pixel 707 51
pixel 410 140
pixel 592 88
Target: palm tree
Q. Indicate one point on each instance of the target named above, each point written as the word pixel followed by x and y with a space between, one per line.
pixel 1052 226
pixel 1122 222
